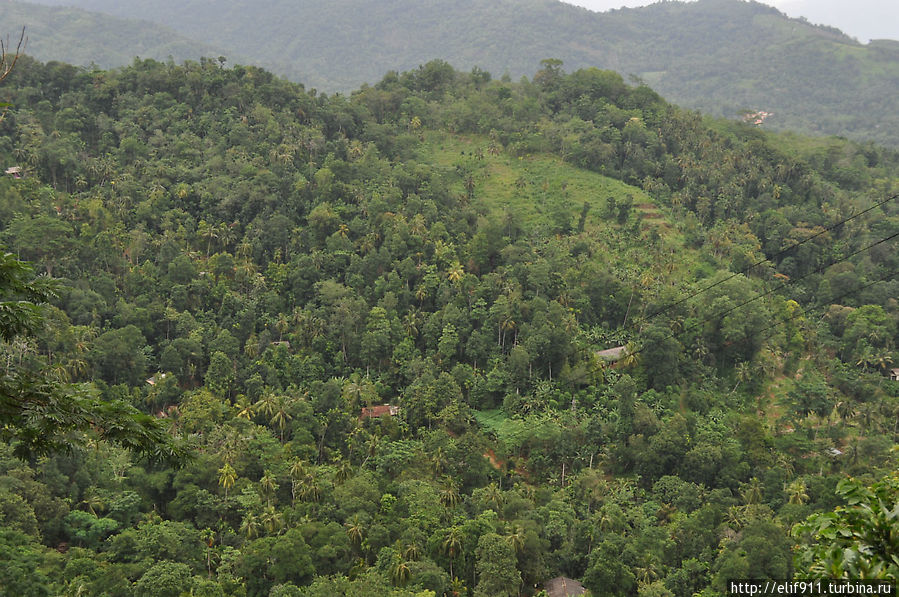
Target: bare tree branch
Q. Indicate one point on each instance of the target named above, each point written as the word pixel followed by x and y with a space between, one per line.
pixel 7 62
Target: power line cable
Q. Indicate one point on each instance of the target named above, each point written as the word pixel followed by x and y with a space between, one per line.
pixel 720 315
pixel 782 286
pixel 833 299
pixel 762 261
pixel 770 291
pixel 779 323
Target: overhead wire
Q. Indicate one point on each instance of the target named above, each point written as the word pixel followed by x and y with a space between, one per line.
pixel 799 313
pixel 783 251
pixel 720 315
pixel 820 269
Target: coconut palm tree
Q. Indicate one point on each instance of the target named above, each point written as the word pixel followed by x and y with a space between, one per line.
pixel 245 408
pixel 94 502
pixel 208 537
pixel 438 461
pixel 399 571
pixel 455 272
pixel 797 492
pixel 449 495
pixel 280 416
pixel 735 517
pixel 250 526
pixel 267 404
pixel 310 491
pixel 494 497
pixel 344 471
pixel 227 477
pixel 355 531
pixel 743 373
pixel 268 486
pixel 271 519
pixel 515 538
pixel 752 491
pixel 412 552
pixel 452 545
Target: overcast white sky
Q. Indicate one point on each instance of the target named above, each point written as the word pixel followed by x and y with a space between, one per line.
pixel 863 19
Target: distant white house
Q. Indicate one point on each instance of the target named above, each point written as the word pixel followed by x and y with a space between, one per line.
pixel 894 374
pixel 156 378
pixel 14 171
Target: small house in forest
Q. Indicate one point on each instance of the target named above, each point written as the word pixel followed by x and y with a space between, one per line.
pixel 374 412
pixel 563 587
pixel 613 354
pixel 894 374
pixel 14 171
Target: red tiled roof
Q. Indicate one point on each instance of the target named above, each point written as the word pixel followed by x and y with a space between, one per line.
pixel 379 411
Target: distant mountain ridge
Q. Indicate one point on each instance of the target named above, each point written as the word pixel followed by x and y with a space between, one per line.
pixel 82 38
pixel 720 56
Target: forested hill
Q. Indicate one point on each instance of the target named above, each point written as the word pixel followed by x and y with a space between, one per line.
pixel 83 38
pixel 257 267
pixel 721 56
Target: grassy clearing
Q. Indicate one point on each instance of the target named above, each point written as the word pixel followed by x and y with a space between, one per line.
pixel 542 190
pixel 498 422
pixel 539 188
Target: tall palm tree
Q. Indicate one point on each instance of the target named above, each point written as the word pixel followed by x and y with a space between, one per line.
pixel 736 517
pixel 797 492
pixel 438 461
pixel 344 471
pixel 310 491
pixel 399 571
pixel 449 495
pixel 208 537
pixel 515 538
pixel 267 404
pixel 280 416
pixel 94 502
pixel 355 530
pixel 455 272
pixel 493 495
pixel 883 359
pixel 296 471
pixel 250 526
pixel 271 519
pixel 412 552
pixel 752 491
pixel 452 545
pixel 268 486
pixel 743 373
pixel 227 477
pixel 648 569
pixel 282 324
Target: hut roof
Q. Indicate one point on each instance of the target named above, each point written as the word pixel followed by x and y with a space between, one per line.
pixel 562 586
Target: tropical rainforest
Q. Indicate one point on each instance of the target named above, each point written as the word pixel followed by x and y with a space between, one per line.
pixel 724 57
pixel 353 345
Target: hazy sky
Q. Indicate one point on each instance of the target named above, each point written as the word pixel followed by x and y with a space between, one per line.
pixel 863 19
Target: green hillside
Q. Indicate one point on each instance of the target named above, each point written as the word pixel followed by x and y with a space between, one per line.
pixel 84 38
pixel 300 345
pixel 720 56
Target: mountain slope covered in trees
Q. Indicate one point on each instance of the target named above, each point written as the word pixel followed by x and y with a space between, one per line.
pixel 257 266
pixel 721 56
pixel 84 38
